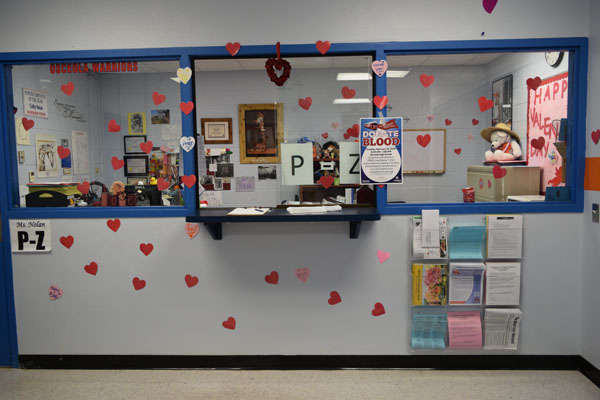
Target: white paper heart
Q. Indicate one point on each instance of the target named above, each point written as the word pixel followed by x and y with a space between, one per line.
pixel 184 74
pixel 187 142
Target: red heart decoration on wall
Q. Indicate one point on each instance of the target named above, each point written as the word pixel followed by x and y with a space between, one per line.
pixel 161 184
pixel 378 310
pixel 146 146
pixel 380 102
pixel 348 93
pixel 92 268
pixel 534 83
pixel 475 121
pixel 67 241
pixel 191 281
pixel 323 47
pixel 233 48
pixel 334 298
pixel 229 324
pixel 273 64
pixel 63 152
pixel 424 140
pixel 272 278
pixel 426 80
pixel 458 150
pixel 186 107
pixel 68 88
pixel 596 136
pixel 498 172
pixel 538 143
pixel 158 98
pixel 448 122
pixel 138 284
pixel 326 181
pixel 485 104
pixel 489 184
pixel 325 135
pixel 113 224
pixel 189 180
pixel 354 131
pixel 489 5
pixel 116 163
pixel 305 103
pixel 84 187
pixel 146 248
pixel 27 123
pixel 113 126
pixel 346 136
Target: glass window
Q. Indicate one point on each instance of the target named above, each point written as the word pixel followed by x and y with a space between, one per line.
pixel 98 134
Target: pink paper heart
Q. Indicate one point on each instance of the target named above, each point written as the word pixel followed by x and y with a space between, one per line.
pixel 164 149
pixel 485 103
pixel 489 5
pixel 470 137
pixel 158 98
pixel 379 67
pixel 303 274
pixel 382 256
pixel 346 136
pixel 54 292
pixel 272 278
pixel 192 230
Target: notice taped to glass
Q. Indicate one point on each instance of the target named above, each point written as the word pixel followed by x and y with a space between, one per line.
pixel 381 150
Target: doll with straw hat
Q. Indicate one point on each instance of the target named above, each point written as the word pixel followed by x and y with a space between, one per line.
pixel 505 143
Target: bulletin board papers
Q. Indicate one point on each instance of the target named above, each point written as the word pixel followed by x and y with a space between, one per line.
pixel 170 132
pixel 502 283
pixel 502 328
pixel 381 150
pixel 80 152
pixel 466 284
pixel 504 236
pixel 428 330
pixel 212 197
pixel 464 329
pixel 35 103
pixel 466 242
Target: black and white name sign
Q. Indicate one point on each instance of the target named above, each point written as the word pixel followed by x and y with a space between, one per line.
pixel 30 235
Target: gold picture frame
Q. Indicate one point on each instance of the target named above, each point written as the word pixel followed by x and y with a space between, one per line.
pixel 217 130
pixel 261 133
pixel 136 123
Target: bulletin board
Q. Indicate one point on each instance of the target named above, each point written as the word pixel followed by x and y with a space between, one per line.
pixel 424 151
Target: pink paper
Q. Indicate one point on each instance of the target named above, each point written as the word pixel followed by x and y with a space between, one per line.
pixel 464 329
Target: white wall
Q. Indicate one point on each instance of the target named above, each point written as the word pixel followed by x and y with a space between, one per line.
pixel 103 315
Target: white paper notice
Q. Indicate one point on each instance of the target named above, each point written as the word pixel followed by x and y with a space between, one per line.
pixel 32 235
pixel 212 197
pixel 297 163
pixel 502 283
pixel 349 163
pixel 502 328
pixel 431 228
pixel 504 236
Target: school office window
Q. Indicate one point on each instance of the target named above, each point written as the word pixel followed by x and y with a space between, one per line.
pixel 97 134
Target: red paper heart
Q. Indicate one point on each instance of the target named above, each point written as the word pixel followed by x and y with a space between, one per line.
pixel 475 121
pixel 229 324
pixel 534 83
pixel 113 126
pixel 489 5
pixel 278 64
pixel 116 163
pixel 272 278
pixel 348 93
pixel 27 123
pixel 380 102
pixel 426 80
pixel 191 281
pixel 489 184
pixel 92 268
pixel 323 47
pixel 68 88
pixel 346 136
pixel 233 48
pixel 447 122
pixel 354 131
pixel 334 298
pixel 67 241
pixel 485 104
pixel 326 181
pixel 596 136
pixel 378 310
pixel 138 284
pixel 161 184
pixel 325 135
pixel 63 152
pixel 498 172
pixel 84 187
pixel 146 146
pixel 158 98
pixel 458 150
pixel 381 186
pixel 113 224
pixel 538 143
pixel 189 180
pixel 186 107
pixel 146 248
pixel 424 140
pixel 305 103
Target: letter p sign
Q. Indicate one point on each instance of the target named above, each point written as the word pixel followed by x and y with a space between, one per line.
pixel 296 163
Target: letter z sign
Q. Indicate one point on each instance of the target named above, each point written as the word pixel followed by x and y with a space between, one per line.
pixel 31 235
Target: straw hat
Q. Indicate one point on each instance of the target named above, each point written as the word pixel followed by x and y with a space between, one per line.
pixel 487 132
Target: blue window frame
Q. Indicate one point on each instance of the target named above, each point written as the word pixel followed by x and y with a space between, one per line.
pixel 577 47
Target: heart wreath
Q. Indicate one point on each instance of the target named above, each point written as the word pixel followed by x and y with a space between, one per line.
pixel 280 65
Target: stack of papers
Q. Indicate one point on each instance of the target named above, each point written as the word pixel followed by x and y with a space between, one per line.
pixel 504 236
pixel 502 283
pixel 313 210
pixel 502 328
pixel 466 283
pixel 419 250
pixel 428 330
pixel 464 329
pixel 249 211
pixel 466 242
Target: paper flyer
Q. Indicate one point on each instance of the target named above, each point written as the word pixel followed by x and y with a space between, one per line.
pixel 502 328
pixel 464 329
pixel 466 283
pixel 418 251
pixel 428 330
pixel 429 284
pixel 381 150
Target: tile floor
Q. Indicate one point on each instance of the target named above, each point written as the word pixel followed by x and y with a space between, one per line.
pixel 266 385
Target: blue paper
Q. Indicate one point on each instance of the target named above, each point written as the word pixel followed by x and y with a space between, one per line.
pixel 466 242
pixel 428 330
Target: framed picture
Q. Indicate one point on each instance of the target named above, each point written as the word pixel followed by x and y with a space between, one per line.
pixel 136 123
pixel 160 117
pixel 135 180
pixel 216 130
pixel 502 91
pixel 261 133
pixel 132 144
pixel 135 165
pixel 47 156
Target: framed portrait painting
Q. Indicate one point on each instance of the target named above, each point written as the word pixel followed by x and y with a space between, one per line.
pixel 136 123
pixel 216 130
pixel 502 93
pixel 261 133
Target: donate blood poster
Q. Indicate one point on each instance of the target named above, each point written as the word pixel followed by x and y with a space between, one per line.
pixel 381 150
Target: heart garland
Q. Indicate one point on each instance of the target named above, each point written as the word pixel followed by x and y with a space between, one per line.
pixel 278 64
